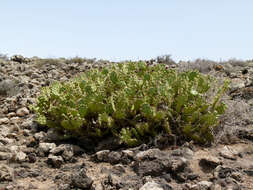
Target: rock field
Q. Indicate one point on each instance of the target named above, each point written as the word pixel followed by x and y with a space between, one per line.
pixel 33 157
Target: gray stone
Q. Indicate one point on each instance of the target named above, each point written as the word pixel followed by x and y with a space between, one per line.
pixel 27 124
pixel 150 154
pixel 128 153
pixel 6 173
pixel 6 140
pixel 237 176
pixel 179 164
pixel 151 186
pixel 53 135
pixel 55 161
pixel 102 155
pixel 17 154
pixel 154 167
pixel 20 156
pixel 31 141
pixel 4 156
pixel 98 186
pixel 68 152
pixel 11 114
pixel 46 147
pixel 22 112
pixel 4 130
pixel 249 172
pixel 205 185
pixel 4 149
pixel 114 157
pixel 223 171
pixel 185 152
pixel 4 120
pixel 40 136
pixel 81 180
pixel 115 181
pixel 237 83
pixel 225 152
pixel 35 76
pixel 65 150
pixel 216 187
pixel 64 187
pixel 15 120
pixel 57 150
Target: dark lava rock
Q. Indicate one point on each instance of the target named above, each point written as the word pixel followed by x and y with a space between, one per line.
pixel 127 182
pixel 32 157
pixel 249 172
pixel 114 157
pixel 6 173
pixel 159 166
pixel 223 171
pixel 81 180
pixel 209 163
pixel 115 181
pixel 19 59
pixel 153 168
pixel 101 156
pixel 31 142
pixel 245 134
pixel 108 144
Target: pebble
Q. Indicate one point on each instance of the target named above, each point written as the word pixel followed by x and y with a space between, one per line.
pixel 4 156
pixel 11 114
pixel 40 136
pixel 4 120
pixel 102 155
pixel 20 156
pixel 55 161
pixel 225 152
pixel 15 120
pixel 22 112
pixel 151 186
pixel 6 173
pixel 46 147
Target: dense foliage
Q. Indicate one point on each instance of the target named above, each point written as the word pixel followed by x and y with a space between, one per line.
pixel 133 102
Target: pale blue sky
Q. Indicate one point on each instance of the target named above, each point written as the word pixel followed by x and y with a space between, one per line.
pixel 130 29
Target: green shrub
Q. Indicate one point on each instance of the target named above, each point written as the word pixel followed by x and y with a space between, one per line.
pixel 133 102
pixel 39 62
pixel 79 60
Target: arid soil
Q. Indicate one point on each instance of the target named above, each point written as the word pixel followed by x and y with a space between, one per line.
pixel 35 157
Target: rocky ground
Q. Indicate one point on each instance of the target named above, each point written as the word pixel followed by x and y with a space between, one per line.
pixel 33 157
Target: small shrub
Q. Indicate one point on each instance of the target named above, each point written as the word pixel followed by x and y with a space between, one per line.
pixel 165 59
pixel 79 60
pixel 133 102
pixel 9 87
pixel 39 62
pixel 202 65
pixel 236 62
pixel 4 57
pixel 75 60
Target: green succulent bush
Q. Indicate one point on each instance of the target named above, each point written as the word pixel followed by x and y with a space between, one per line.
pixel 133 102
